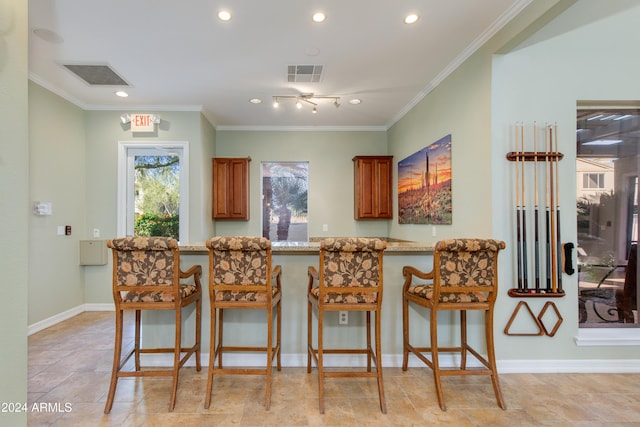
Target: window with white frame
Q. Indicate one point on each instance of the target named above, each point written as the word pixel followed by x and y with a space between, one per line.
pixel 153 189
pixel 593 180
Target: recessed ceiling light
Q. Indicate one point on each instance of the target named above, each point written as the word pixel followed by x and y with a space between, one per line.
pixel 355 101
pixel 255 101
pixel 319 17
pixel 224 15
pixel 411 19
pixel 121 94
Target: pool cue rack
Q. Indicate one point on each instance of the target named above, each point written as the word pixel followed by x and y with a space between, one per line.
pixel 530 156
pixel 537 202
pixel 541 260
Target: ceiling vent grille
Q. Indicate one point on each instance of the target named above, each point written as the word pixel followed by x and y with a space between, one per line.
pixel 304 73
pixel 96 75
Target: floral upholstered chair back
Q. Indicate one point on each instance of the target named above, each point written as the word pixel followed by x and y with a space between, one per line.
pixel 348 263
pixel 240 268
pixel 466 270
pixel 145 269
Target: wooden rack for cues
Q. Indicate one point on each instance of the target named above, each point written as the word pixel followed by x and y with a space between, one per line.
pixel 549 258
pixel 547 279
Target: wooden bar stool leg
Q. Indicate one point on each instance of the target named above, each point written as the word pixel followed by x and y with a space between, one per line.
pixel 176 359
pixel 279 335
pixel 117 354
pixel 383 402
pixel 309 335
pixel 137 339
pixel 198 334
pixel 405 333
pixel 320 363
pixel 369 348
pixel 491 355
pixel 463 339
pixel 433 326
pixel 269 364
pixel 219 344
pixel 212 358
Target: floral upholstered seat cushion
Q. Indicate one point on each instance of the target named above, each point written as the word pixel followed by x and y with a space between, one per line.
pixel 240 261
pixel 426 291
pixel 158 295
pixel 463 262
pixel 350 263
pixel 148 262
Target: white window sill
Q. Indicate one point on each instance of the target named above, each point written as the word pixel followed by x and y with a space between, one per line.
pixel 608 336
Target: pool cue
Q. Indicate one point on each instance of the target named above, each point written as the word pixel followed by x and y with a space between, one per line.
pixel 552 197
pixel 535 210
pixel 518 238
pixel 525 274
pixel 547 212
pixel 558 243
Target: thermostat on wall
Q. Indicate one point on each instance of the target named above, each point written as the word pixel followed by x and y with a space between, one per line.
pixel 42 208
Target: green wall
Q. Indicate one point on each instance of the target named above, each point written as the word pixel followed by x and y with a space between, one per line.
pixel 329 154
pixel 57 154
pixel 103 132
pixel 477 104
pixel 14 206
pixel 584 54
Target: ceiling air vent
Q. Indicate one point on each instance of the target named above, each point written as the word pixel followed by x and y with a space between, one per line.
pixel 96 75
pixel 304 73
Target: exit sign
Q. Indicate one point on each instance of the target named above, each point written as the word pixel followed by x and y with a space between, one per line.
pixel 142 123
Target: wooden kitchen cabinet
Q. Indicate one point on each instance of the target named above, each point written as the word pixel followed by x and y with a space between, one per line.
pixel 231 188
pixel 372 187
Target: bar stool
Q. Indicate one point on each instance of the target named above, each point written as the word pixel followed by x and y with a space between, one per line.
pixel 241 277
pixel 464 277
pixel 350 279
pixel 147 276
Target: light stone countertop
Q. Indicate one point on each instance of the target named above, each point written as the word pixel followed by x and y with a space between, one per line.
pixel 313 247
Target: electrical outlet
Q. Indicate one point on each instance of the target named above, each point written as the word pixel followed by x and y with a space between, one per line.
pixel 433 230
pixel 344 317
pixel 325 227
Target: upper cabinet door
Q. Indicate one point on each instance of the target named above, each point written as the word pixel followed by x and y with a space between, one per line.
pixel 231 188
pixel 372 187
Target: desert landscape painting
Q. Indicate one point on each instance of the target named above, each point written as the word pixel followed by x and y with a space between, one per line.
pixel 424 185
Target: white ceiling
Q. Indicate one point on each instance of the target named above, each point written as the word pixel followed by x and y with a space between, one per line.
pixel 179 56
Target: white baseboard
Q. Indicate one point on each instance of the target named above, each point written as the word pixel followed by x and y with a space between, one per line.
pixel 60 317
pixel 395 361
pixel 591 366
pixel 388 360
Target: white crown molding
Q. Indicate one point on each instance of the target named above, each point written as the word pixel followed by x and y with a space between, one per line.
pixel 476 44
pixel 95 107
pixel 304 128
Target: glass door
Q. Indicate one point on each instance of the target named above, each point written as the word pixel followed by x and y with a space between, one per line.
pixel 607 165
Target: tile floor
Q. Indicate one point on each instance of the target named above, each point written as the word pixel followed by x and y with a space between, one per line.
pixel 64 370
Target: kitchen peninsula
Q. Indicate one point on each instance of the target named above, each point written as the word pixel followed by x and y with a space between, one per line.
pixel 295 258
pixel 313 247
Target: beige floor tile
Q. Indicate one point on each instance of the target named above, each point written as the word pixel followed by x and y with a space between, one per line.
pixel 62 370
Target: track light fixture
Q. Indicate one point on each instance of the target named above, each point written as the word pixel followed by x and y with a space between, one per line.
pixel 306 98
